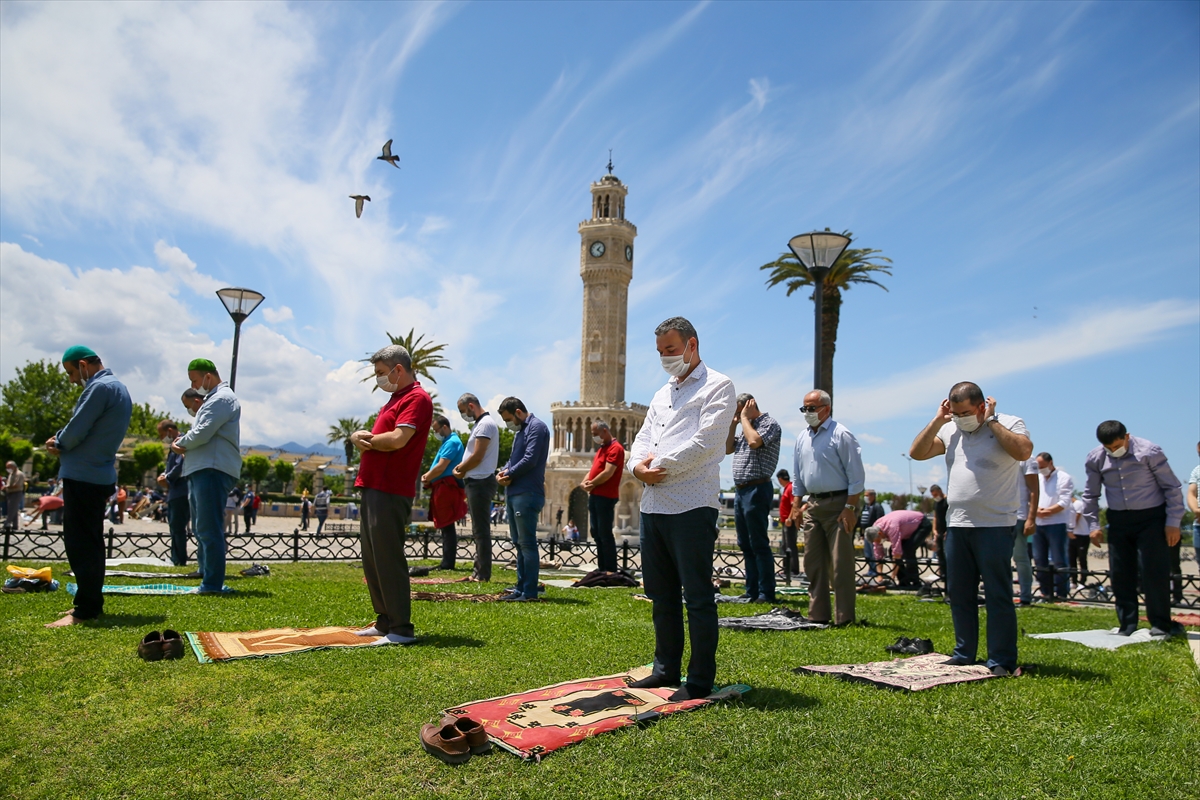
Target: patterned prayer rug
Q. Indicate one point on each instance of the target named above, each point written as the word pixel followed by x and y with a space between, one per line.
pixel 439 580
pixel 1102 639
pixel 532 724
pixel 147 588
pixel 1190 620
pixel 777 619
pixel 211 647
pixel 120 573
pixel 911 674
pixel 470 597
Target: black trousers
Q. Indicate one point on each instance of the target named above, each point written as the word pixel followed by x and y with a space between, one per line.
pixel 1132 534
pixel 910 573
pixel 83 538
pixel 791 556
pixel 1077 558
pixel 178 514
pixel 601 511
pixel 677 553
pixel 384 522
pixel 449 547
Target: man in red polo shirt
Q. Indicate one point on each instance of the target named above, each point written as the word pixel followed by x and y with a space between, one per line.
pixel 387 476
pixel 603 485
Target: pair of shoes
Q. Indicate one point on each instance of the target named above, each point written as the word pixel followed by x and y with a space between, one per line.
pixel 958 661
pixel 1176 629
pixel 654 682
pixel 455 739
pixel 517 597
pixel 899 645
pixel 1001 672
pixel 254 570
pixel 157 646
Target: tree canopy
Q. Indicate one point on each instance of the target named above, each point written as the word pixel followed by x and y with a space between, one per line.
pixel 38 401
pixel 425 355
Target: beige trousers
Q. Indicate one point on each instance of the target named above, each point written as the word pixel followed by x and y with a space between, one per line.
pixel 828 558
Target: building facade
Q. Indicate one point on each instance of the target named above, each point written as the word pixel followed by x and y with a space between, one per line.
pixel 606 267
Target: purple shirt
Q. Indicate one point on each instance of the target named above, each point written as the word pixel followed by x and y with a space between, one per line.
pixel 1140 479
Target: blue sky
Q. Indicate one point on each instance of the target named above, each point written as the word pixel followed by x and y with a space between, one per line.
pixel 1032 169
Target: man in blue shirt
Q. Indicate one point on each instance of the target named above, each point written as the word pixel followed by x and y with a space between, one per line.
pixel 177 494
pixel 212 467
pixel 87 451
pixel 525 478
pixel 447 498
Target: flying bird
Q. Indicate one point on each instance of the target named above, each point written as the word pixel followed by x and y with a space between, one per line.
pixel 387 155
pixel 358 203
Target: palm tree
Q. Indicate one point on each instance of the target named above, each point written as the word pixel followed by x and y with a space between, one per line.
pixel 855 265
pixel 425 355
pixel 342 432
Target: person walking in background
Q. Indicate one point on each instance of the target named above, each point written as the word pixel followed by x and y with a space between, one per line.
pixel 828 473
pixel 231 518
pixel 1029 489
pixel 753 441
pixel 447 500
pixel 791 555
pixel 248 509
pixel 872 510
pixel 14 494
pixel 983 454
pixel 87 451
pixel 173 481
pixel 321 507
pixel 677 456
pixel 603 485
pixel 478 472
pixel 305 510
pixel 388 473
pixel 1056 490
pixel 1145 507
pixel 212 463
pixel 524 477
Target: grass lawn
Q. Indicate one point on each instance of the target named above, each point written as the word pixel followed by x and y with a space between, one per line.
pixel 84 717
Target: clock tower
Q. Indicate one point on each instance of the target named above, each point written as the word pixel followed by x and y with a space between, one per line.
pixel 606 267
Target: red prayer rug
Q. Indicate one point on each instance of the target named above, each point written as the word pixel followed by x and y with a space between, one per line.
pixel 534 723
pixel 1191 620
pixel 911 674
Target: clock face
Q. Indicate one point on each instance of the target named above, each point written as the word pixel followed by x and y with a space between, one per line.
pixel 597 249
pixel 629 252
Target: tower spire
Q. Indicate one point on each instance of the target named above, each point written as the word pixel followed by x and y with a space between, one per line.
pixel 610 161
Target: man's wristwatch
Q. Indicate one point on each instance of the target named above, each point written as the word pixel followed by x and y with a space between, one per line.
pixel 992 418
pixel 849 506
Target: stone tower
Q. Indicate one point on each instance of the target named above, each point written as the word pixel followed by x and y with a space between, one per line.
pixel 606 267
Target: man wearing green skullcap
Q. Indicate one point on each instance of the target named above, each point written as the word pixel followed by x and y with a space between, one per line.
pixel 212 467
pixel 87 451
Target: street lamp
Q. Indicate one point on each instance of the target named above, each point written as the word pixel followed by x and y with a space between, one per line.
pixel 907 456
pixel 817 251
pixel 240 303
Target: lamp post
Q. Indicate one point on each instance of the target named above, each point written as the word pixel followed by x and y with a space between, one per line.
pixel 240 303
pixel 909 458
pixel 818 251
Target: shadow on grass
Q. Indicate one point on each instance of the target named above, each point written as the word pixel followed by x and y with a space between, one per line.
pixel 771 699
pixel 126 620
pixel 440 641
pixel 1055 671
pixel 236 593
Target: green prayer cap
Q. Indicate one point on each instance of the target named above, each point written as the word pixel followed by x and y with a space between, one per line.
pixel 77 353
pixel 201 365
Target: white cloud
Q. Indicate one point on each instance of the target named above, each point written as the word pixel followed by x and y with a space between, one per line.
pixel 277 315
pixel 870 439
pixel 184 268
pixel 433 224
pixel 33 239
pixel 881 475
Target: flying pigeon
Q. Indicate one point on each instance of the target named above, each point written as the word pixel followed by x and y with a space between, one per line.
pixel 387 155
pixel 358 203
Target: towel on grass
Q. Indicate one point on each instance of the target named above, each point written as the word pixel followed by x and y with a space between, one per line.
pixel 1101 639
pixel 147 588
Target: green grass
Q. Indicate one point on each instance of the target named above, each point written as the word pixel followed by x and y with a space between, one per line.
pixel 84 717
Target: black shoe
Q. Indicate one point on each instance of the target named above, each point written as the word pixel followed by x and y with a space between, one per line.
pixel 749 598
pixel 1176 629
pixel 763 598
pixel 653 682
pixel 1001 672
pixel 689 691
pixel 899 645
pixel 958 661
pixel 919 647
pixel 194 574
pixel 1127 631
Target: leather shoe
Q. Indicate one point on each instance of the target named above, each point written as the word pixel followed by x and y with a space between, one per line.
pixel 477 738
pixel 151 648
pixel 172 645
pixel 958 661
pixel 654 682
pixel 446 743
pixel 687 692
pixel 899 645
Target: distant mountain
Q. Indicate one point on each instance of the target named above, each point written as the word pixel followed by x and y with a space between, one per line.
pixel 295 447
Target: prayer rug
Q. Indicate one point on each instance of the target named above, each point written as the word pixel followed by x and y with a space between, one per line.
pixel 1191 620
pixel 532 724
pixel 791 591
pixel 912 674
pixel 212 647
pixel 120 573
pixel 468 596
pixel 777 619
pixel 1102 639
pixel 438 580
pixel 147 588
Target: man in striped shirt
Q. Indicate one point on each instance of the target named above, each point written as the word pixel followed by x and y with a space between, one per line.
pixel 754 443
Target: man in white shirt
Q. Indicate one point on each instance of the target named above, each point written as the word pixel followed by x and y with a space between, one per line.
pixel 677 455
pixel 1057 490
pixel 478 471
pixel 1023 531
pixel 1081 540
pixel 983 452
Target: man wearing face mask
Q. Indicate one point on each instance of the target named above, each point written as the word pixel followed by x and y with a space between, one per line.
pixel 14 492
pixel 677 455
pixel 753 441
pixel 478 472
pixel 178 511
pixel 828 468
pixel 983 452
pixel 1056 490
pixel 87 450
pixel 603 485
pixel 212 466
pixel 387 475
pixel 524 476
pixel 447 500
pixel 1145 507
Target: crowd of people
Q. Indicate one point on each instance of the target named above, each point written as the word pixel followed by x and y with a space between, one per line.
pixel 1000 501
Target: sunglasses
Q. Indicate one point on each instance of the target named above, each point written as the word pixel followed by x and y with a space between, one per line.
pixel 807 409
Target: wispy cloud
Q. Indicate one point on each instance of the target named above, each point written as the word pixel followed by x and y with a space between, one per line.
pixel 277 315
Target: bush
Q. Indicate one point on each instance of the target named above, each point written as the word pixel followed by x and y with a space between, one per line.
pixel 12 449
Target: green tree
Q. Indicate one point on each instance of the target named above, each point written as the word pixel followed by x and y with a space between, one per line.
pixel 145 419
pixel 341 433
pixel 285 471
pixel 148 456
pixel 45 465
pixel 14 449
pixel 304 481
pixel 38 401
pixel 256 468
pixel 855 265
pixel 425 355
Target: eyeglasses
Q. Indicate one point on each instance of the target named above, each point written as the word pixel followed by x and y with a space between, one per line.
pixel 807 409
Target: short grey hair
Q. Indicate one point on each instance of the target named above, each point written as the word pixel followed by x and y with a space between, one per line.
pixel 872 534
pixel 601 424
pixel 392 355
pixel 467 399
pixel 686 329
pixel 823 397
pixel 744 397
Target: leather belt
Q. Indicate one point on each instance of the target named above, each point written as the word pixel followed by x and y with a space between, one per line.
pixel 751 483
pixel 823 495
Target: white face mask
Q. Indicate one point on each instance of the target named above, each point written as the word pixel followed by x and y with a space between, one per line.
pixel 202 390
pixel 967 424
pixel 383 383
pixel 191 411
pixel 1044 472
pixel 597 440
pixel 813 418
pixel 467 416
pixel 513 425
pixel 1119 452
pixel 676 366
pixel 441 437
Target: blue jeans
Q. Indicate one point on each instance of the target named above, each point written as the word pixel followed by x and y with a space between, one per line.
pixel 1050 550
pixel 1196 537
pixel 523 510
pixel 971 554
pixel 751 512
pixel 1020 557
pixel 207 491
pixel 178 511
